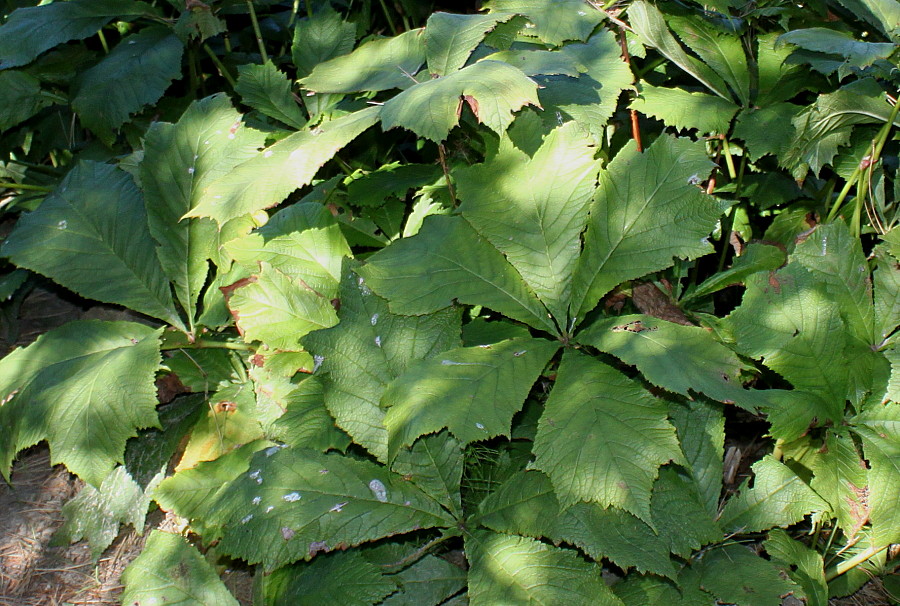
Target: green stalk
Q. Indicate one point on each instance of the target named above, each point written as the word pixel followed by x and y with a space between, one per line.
pixel 257 32
pixel 103 42
pixel 726 233
pixel 222 70
pixel 729 161
pixel 853 562
pixel 24 186
pixel 207 344
pixel 387 15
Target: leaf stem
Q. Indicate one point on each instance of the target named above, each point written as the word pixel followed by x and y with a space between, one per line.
pixel 103 42
pixel 853 562
pixel 387 15
pixel 24 186
pixel 207 344
pixel 417 554
pixel 442 154
pixel 257 32
pixel 219 65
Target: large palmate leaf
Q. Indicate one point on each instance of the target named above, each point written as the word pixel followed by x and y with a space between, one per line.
pixel 450 39
pixel 779 497
pixel 603 437
pixel 20 98
pixel 170 570
pixel 449 260
pixel 268 91
pixel 879 428
pixel 472 391
pixel 493 90
pixel 649 25
pixel 108 393
pixel 675 357
pixel 295 503
pixel 368 348
pixel 91 236
pixel 790 321
pixel 32 30
pixel 533 210
pixel 683 109
pixel 526 505
pixel 268 177
pixel 136 73
pixel 270 307
pixel 376 65
pixel 505 569
pixel 205 144
pixel 342 577
pixel 647 210
pixel 556 22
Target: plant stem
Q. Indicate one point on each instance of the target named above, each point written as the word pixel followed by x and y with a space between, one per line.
pixel 387 15
pixel 853 562
pixel 208 344
pixel 729 161
pixel 257 32
pixel 24 186
pixel 222 70
pixel 103 42
pixel 442 154
pixel 417 554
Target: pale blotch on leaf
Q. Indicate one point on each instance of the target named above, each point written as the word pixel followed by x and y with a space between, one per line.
pixel 378 489
pixel 292 497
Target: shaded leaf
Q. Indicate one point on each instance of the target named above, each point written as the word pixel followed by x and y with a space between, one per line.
pixel 434 464
pixel 267 90
pixel 736 575
pixel 428 582
pixel 701 431
pixel 778 498
pixel 517 570
pixel 108 393
pixel 642 217
pixel 336 578
pixel 419 275
pixel 390 180
pixel 20 98
pixel 553 23
pixel 602 437
pixel 879 428
pixel 493 90
pixel 722 52
pixel 90 235
pixel 295 503
pixel 170 570
pixel 450 39
pixel 472 391
pixel 857 53
pixel 135 73
pixel 306 422
pixel 683 109
pixel 804 565
pixel 841 478
pixel 322 37
pixel 755 257
pixel 282 167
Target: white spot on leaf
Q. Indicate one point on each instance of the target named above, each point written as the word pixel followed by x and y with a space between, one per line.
pixel 62 224
pixel 317 362
pixel 374 319
pixel 256 500
pixel 479 425
pixel 290 498
pixel 267 153
pixel 246 518
pixel 338 507
pixel 378 341
pixel 378 489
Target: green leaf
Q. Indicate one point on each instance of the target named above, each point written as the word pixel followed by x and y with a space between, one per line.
pixel 736 575
pixel 778 79
pixel 435 464
pixel 778 498
pixel 418 275
pixel 309 502
pixel 267 90
pixel 191 492
pixel 90 235
pixel 107 393
pixel 649 25
pixel 640 590
pixel 678 358
pixel 171 571
pixel 755 257
pixel 766 131
pixel 32 30
pixel 390 180
pixel 858 54
pixel 533 210
pixel 883 14
pixel 534 62
pixel 526 504
pixel 428 582
pixel 322 37
pixel 304 242
pixel 553 23
pixel 472 391
pixel 804 566
pixel 368 348
pixel 135 73
pixel 507 569
pixel 641 217
pixel 376 65
pixel 20 98
pixel 178 160
pixel 493 90
pixel 701 432
pixel 723 53
pixel 887 295
pixel 344 578
pixel 269 176
pixel 879 428
pixel 306 422
pixel 679 515
pixel 450 39
pixel 270 307
pixel 683 109
pixel 602 437
pixel 840 476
